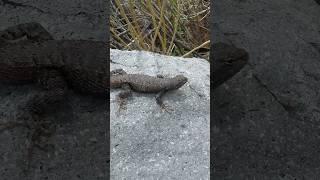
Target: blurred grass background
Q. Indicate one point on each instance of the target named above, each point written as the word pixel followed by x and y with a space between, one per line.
pixel 170 27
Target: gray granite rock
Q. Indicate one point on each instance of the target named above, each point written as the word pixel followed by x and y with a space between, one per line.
pixel 266 119
pixel 148 143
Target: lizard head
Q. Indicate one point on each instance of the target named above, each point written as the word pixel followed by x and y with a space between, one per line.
pixel 181 80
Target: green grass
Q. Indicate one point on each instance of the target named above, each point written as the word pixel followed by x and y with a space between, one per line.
pixel 170 27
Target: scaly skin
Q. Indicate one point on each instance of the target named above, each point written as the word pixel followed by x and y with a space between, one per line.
pixel 148 84
pixel 144 83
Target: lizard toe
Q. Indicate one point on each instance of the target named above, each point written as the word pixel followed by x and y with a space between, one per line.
pixel 166 108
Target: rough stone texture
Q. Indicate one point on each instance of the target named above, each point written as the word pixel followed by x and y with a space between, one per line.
pixel 147 143
pixel 72 19
pixel 266 119
pixel 80 139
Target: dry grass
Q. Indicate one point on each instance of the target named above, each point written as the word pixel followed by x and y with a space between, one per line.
pixel 171 27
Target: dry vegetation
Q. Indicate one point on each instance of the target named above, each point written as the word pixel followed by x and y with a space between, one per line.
pixel 171 27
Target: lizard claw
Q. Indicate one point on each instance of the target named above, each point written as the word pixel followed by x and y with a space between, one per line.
pixel 166 108
pixel 122 103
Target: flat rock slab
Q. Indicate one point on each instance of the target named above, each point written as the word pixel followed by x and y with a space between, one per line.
pixel 266 119
pixel 148 143
pixel 80 139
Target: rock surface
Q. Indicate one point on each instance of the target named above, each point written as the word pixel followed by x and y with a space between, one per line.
pixel 147 143
pixel 80 139
pixel 266 119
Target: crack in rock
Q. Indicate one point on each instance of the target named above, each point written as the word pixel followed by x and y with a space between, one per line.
pixel 286 107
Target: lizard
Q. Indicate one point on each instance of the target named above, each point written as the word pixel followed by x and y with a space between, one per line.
pixel 144 83
pixel 30 55
pixel 227 61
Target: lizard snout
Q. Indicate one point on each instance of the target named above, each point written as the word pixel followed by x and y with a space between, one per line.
pixel 181 79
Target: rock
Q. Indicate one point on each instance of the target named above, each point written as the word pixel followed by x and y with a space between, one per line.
pixel 147 143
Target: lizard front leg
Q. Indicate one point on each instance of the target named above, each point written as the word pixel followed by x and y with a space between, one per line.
pixel 123 96
pixel 161 103
pixel 32 31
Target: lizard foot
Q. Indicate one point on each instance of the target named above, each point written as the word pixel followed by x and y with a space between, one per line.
pixel 122 104
pixel 159 101
pixel 122 98
pixel 166 108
